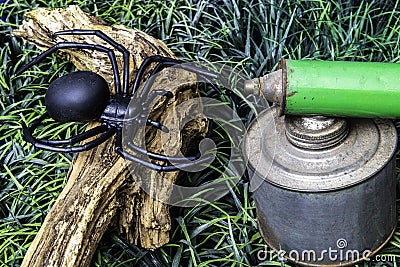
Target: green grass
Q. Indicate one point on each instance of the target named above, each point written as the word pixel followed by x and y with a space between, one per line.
pixel 248 35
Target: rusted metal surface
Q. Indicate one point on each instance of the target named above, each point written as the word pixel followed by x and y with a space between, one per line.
pixel 315 132
pixel 307 200
pixel 272 84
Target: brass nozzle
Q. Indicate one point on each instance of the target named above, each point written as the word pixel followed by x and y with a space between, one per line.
pixel 269 86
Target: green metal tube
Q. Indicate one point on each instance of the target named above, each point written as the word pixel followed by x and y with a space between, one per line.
pixel 350 89
pixel 332 88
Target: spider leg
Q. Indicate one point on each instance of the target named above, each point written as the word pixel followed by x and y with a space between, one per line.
pixel 158 156
pixel 66 45
pixel 160 66
pixel 164 62
pixel 188 67
pixel 167 62
pixel 208 76
pixel 75 139
pixel 114 44
pixel 146 63
pixel 157 125
pixel 153 94
pixel 147 87
pixel 145 107
pixel 53 145
pixel 205 74
pixel 154 166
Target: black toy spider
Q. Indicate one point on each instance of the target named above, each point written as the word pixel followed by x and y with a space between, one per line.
pixel 84 96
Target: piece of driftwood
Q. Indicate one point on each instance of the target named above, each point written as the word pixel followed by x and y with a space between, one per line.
pixel 100 189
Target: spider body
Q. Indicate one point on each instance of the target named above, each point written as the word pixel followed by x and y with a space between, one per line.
pixel 79 96
pixel 114 113
pixel 84 96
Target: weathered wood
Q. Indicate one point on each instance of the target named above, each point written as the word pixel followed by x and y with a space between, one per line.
pixel 100 189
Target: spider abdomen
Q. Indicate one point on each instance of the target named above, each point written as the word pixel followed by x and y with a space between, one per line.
pixel 78 96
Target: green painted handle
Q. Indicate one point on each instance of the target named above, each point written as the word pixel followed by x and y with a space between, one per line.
pixel 350 89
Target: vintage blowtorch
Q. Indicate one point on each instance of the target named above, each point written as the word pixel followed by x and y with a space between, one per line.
pixel 322 159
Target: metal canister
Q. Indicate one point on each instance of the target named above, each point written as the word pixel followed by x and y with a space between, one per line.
pixel 324 187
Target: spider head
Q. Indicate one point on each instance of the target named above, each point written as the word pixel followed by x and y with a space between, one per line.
pixel 78 96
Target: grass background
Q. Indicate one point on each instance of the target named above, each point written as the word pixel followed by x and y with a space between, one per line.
pixel 249 34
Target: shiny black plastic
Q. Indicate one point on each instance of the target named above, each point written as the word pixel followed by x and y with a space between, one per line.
pixel 78 96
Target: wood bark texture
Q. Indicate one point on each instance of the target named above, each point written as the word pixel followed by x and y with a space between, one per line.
pixel 100 189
